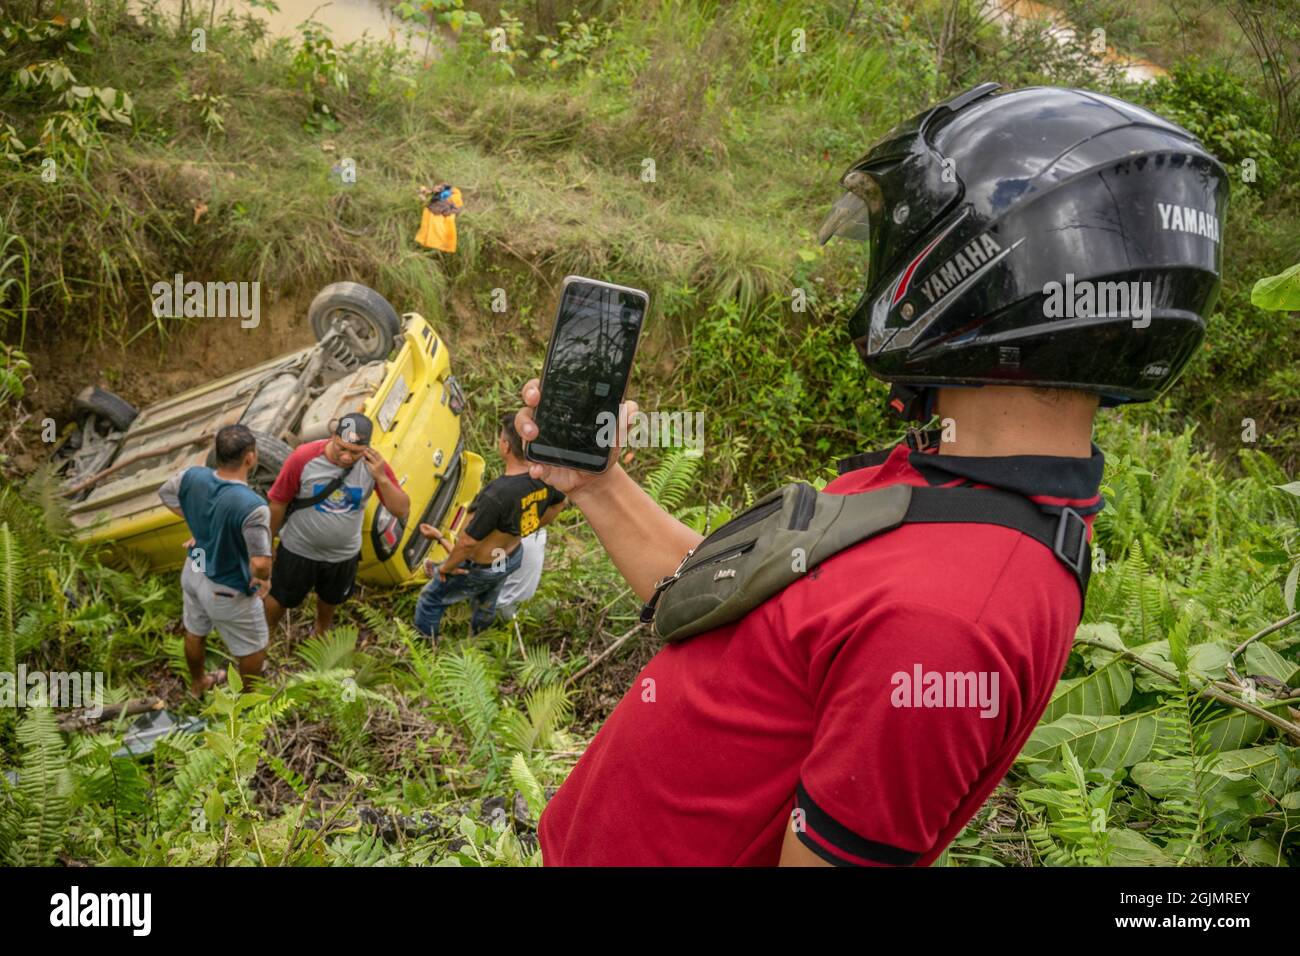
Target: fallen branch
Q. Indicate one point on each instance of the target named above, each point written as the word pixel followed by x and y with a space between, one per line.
pixel 1215 690
pixel 604 654
pixel 129 709
pixel 1275 626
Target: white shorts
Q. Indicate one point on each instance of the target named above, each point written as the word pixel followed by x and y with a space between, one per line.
pixel 238 618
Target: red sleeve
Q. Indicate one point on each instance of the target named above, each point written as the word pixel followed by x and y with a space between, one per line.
pixel 388 470
pixel 289 480
pixel 911 710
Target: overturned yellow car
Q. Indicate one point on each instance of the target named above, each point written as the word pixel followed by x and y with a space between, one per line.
pixel 394 369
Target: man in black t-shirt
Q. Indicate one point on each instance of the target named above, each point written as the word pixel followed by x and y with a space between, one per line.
pixel 488 551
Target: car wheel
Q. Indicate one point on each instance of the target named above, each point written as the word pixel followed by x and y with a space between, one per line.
pixel 272 453
pixel 112 408
pixel 367 320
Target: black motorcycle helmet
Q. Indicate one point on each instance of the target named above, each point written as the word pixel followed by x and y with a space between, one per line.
pixel 1045 237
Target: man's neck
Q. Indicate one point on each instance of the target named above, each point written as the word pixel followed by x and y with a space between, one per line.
pixel 515 466
pixel 237 474
pixel 995 420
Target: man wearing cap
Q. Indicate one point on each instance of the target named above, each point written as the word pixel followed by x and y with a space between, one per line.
pixel 317 505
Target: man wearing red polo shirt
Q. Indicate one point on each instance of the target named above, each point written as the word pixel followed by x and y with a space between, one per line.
pixel 863 714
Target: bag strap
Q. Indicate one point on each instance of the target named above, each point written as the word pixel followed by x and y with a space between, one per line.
pixel 916 439
pixel 298 504
pixel 1065 535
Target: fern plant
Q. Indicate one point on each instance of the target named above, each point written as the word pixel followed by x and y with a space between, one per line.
pixel 1073 830
pixel 38 811
pixel 11 572
pixel 545 710
pixel 330 651
pixel 672 479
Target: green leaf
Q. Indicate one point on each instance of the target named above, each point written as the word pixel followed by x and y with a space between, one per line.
pixel 1057 799
pixel 1204 661
pixel 222 744
pixel 1233 729
pixel 1279 293
pixel 1261 852
pixel 1105 691
pixel 1098 741
pixel 1262 659
pixel 1107 634
pixel 521 775
pixel 214 808
pixel 1163 778
pixel 1130 848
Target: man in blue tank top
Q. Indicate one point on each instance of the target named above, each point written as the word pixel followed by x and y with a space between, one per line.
pixel 229 566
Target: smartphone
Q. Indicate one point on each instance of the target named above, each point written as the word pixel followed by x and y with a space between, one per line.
pixel 588 363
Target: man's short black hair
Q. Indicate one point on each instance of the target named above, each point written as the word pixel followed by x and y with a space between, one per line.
pixel 511 436
pixel 233 443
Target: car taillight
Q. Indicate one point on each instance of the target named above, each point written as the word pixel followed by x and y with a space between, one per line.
pixel 385 533
pixel 456 400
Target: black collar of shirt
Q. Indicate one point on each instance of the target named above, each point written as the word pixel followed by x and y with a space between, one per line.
pixel 1050 480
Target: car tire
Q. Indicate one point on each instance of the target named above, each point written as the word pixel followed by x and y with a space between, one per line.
pixel 112 408
pixel 272 453
pixel 373 325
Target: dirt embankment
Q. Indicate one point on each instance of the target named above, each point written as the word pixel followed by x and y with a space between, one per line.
pixel 147 370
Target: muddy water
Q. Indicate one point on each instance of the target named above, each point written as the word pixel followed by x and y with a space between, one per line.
pixel 347 20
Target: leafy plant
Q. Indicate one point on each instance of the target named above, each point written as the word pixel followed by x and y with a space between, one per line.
pixel 1279 293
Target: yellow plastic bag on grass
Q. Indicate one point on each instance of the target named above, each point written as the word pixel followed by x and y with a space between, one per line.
pixel 439 231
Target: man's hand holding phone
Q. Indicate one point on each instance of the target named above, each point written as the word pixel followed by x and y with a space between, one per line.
pixel 570 481
pixel 644 541
pixel 588 365
pixel 568 436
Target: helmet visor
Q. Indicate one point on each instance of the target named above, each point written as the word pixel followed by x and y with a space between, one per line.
pixel 856 212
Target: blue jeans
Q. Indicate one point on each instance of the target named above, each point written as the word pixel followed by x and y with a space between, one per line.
pixel 481 586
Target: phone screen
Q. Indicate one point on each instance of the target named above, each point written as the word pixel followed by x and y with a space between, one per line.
pixel 587 367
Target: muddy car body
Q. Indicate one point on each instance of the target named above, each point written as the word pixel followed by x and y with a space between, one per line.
pixel 367 359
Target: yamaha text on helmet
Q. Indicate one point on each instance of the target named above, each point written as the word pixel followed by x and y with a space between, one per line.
pixel 1048 237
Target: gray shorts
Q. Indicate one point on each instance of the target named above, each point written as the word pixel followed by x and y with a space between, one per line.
pixel 238 618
